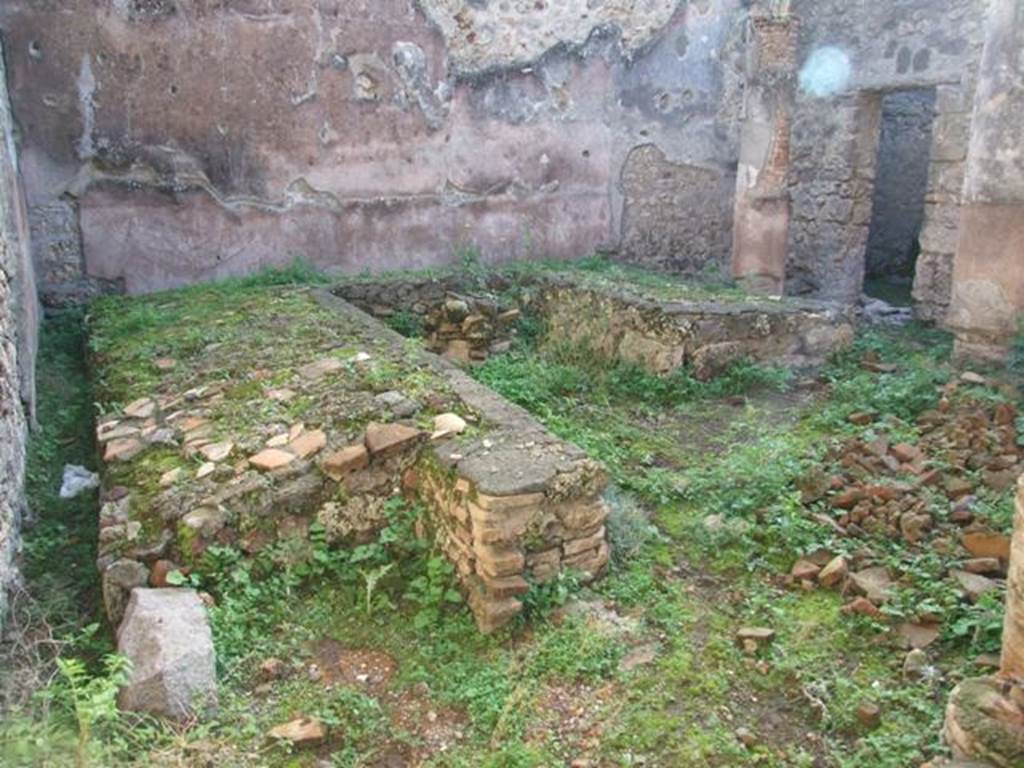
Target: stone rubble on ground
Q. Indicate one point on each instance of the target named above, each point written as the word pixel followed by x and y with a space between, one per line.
pixel 878 312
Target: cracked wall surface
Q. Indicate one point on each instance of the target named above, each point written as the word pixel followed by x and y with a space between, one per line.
pixel 180 140
pixel 17 348
pixel 171 141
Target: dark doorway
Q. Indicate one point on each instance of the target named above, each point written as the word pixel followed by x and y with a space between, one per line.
pixel 901 179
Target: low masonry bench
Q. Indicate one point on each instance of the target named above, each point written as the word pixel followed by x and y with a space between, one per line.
pixel 709 333
pixel 661 322
pixel 239 417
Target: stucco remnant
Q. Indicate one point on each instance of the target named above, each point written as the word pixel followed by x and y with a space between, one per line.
pixel 487 34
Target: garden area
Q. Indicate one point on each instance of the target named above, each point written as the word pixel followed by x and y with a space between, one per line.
pixel 804 560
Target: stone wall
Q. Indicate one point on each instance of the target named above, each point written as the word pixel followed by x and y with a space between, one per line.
pixel 517 508
pixel 678 217
pixel 901 179
pixel 933 277
pixel 458 317
pixel 184 140
pixel 987 301
pixel 885 47
pixel 194 461
pixel 708 335
pixel 832 182
pixel 17 346
pixel 396 134
pixel 690 324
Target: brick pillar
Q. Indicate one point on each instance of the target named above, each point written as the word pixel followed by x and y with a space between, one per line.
pixel 988 270
pixel 761 218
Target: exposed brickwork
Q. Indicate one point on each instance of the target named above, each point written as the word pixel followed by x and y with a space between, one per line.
pixel 496 500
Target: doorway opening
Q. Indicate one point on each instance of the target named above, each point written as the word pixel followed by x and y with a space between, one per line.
pixel 901 181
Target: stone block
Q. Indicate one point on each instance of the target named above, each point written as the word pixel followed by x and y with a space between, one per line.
pixel 490 528
pixel 167 638
pixel 348 460
pixel 500 504
pixel 591 563
pixel 711 360
pixel 657 355
pixel 953 98
pixel 950 136
pixel 939 239
pixel 271 459
pixel 582 515
pixel 308 443
pixel 386 440
pixel 945 182
pixel 505 586
pixel 577 546
pixel 496 561
pixel 491 613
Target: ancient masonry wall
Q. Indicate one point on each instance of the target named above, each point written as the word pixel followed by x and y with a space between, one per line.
pixel 508 502
pixel 988 289
pixel 17 347
pixel 831 181
pixel 456 316
pixel 406 133
pixel 709 335
pixel 502 544
pixel 886 47
pixel 516 508
pixel 356 135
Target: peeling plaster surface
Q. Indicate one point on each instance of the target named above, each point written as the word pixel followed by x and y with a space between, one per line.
pixel 995 173
pixel 489 34
pixel 177 140
pixel 168 141
pixel 988 283
pixel 86 91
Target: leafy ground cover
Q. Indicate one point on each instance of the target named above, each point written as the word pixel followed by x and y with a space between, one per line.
pixel 642 669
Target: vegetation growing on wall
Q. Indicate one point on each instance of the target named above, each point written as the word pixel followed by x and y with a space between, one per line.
pixel 642 668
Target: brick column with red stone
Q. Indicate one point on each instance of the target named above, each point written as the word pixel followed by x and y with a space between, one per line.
pixel 762 208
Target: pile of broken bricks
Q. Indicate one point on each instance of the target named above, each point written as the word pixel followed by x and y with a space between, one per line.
pixel 914 492
pixel 922 494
